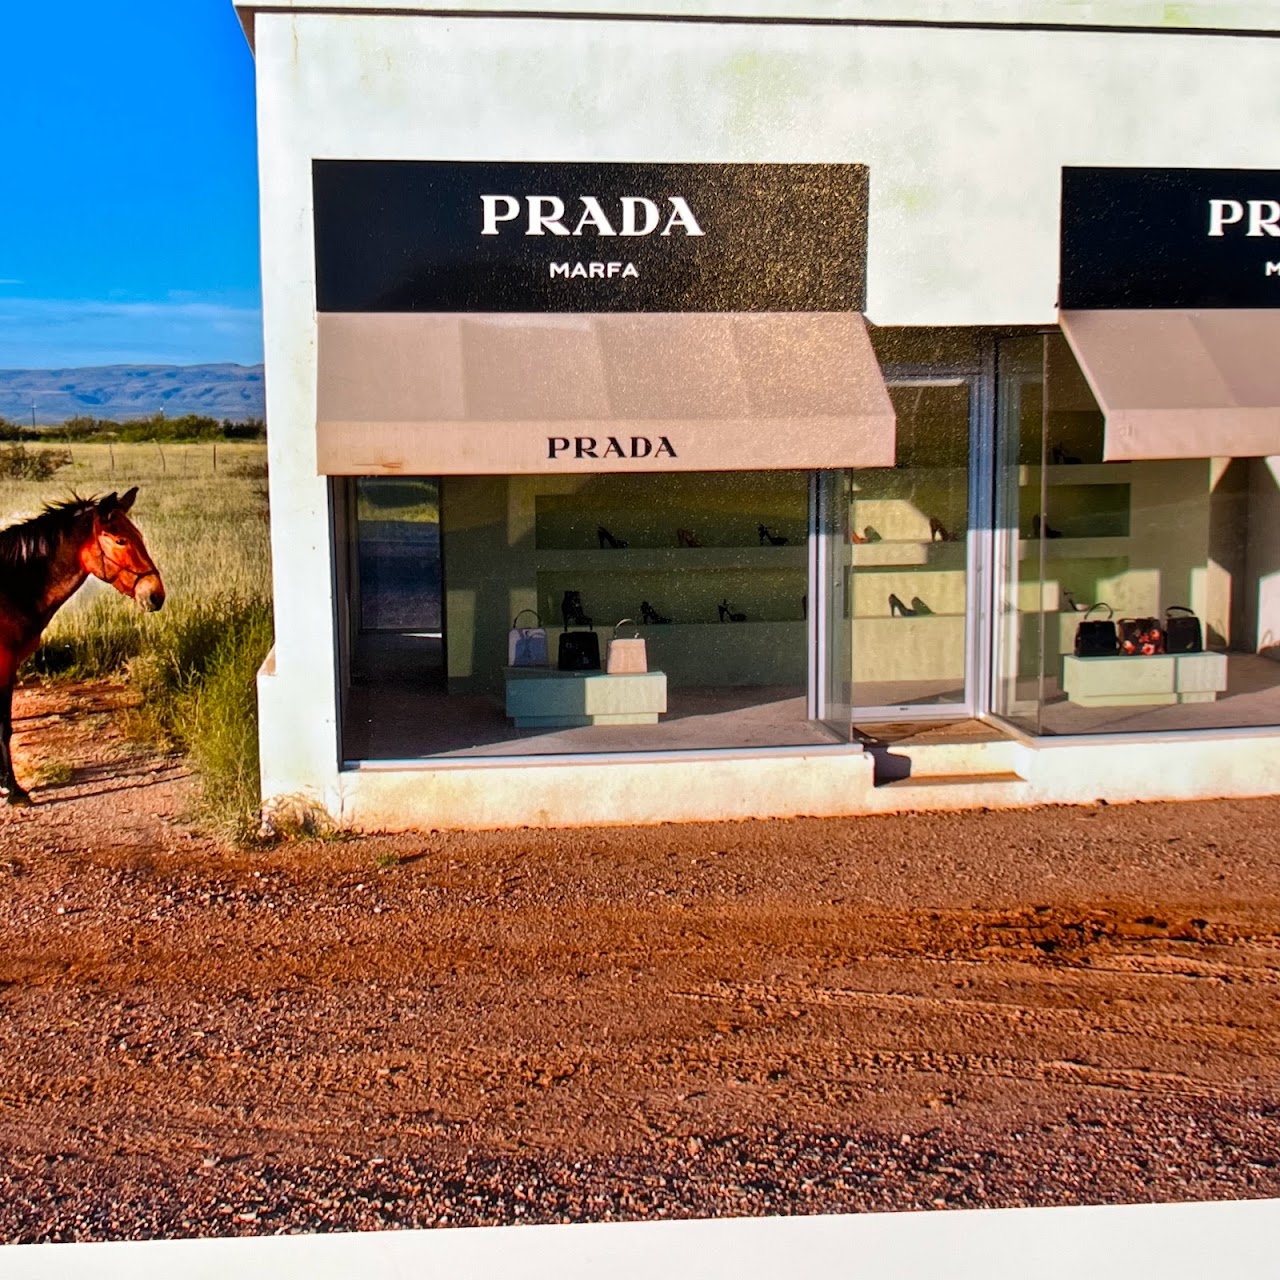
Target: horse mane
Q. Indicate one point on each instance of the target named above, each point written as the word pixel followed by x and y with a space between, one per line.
pixel 35 540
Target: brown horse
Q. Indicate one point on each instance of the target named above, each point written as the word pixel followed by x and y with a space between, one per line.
pixel 43 562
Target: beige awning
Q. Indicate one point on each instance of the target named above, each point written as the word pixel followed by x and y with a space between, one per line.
pixel 1182 384
pixel 507 394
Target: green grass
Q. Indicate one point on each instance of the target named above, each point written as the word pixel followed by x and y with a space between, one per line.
pixel 194 661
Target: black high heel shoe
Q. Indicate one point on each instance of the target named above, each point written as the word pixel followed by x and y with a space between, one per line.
pixel 1043 529
pixel 650 615
pixel 607 539
pixel 571 610
pixel 773 539
pixel 919 607
pixel 937 531
pixel 728 615
pixel 899 610
pixel 1071 603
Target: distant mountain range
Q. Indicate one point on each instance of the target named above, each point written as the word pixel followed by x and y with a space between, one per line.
pixel 122 391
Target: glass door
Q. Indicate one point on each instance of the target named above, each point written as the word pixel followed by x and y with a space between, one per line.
pixel 1021 614
pixel 831 634
pixel 912 554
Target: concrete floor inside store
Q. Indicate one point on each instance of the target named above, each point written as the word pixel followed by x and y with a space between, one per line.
pixel 398 708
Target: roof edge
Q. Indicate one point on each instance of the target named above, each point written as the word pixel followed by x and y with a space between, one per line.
pixel 1253 17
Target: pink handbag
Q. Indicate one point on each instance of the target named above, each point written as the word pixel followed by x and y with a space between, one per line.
pixel 626 655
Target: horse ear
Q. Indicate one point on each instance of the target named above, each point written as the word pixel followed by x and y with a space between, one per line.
pixel 127 501
pixel 107 505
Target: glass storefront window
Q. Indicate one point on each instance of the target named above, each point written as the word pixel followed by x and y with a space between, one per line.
pixel 1144 542
pixel 712 569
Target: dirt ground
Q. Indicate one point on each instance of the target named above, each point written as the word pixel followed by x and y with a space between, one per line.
pixel 1041 1007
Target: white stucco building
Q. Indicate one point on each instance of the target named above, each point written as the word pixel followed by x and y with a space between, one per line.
pixel 853 348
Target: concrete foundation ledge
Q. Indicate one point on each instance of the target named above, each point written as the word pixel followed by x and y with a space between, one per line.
pixel 299 768
pixel 606 793
pixel 1235 764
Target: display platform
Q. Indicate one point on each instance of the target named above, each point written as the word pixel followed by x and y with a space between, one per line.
pixel 1156 680
pixel 544 698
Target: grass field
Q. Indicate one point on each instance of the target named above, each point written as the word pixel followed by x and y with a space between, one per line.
pixel 202 510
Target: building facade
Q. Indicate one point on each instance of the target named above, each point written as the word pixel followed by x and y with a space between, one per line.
pixel 856 353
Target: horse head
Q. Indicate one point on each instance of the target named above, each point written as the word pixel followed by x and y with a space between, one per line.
pixel 115 552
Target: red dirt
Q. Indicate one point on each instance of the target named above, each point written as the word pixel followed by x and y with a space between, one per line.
pixel 1038 1007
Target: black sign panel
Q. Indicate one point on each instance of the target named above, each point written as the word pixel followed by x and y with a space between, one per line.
pixel 476 236
pixel 1169 238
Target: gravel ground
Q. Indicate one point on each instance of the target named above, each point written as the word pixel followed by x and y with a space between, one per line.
pixel 1052 1006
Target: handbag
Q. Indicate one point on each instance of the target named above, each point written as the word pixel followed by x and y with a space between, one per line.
pixel 527 646
pixel 1140 637
pixel 1182 634
pixel 1096 638
pixel 626 655
pixel 578 651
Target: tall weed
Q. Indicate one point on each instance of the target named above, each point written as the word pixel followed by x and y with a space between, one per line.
pixel 199 694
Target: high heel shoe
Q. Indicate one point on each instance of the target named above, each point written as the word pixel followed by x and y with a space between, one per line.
pixel 728 615
pixel 870 535
pixel 899 610
pixel 1071 603
pixel 650 615
pixel 937 531
pixel 571 610
pixel 608 540
pixel 919 607
pixel 1043 529
pixel 687 538
pixel 773 539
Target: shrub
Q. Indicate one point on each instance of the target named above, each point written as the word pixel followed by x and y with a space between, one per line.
pixel 220 724
pixel 19 463
pixel 198 685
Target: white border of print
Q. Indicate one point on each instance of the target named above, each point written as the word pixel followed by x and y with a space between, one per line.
pixel 1222 1238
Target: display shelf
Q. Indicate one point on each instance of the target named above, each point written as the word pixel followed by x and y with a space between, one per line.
pixel 904 553
pixel 1074 548
pixel 1085 473
pixel 1158 680
pixel 657 559
pixel 540 698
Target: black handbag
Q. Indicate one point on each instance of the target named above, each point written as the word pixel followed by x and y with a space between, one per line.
pixel 1096 638
pixel 1182 634
pixel 578 651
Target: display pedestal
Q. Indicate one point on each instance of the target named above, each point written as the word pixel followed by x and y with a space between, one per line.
pixel 542 698
pixel 1158 680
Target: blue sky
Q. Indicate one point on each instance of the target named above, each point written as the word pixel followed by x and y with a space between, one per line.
pixel 128 185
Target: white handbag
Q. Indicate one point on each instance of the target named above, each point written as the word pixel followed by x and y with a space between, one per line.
pixel 626 655
pixel 527 646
